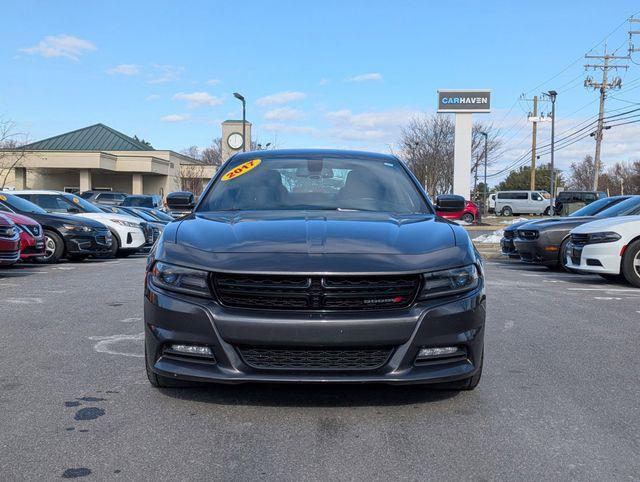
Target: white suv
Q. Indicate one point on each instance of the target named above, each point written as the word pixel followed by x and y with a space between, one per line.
pixel 609 247
pixel 130 233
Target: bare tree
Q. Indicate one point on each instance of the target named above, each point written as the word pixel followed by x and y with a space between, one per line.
pixel 581 174
pixel 192 177
pixel 11 152
pixel 427 145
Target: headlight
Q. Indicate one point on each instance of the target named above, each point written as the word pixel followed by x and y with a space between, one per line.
pixel 449 282
pixel 77 229
pixel 183 280
pixel 128 224
pixel 605 237
pixel 8 231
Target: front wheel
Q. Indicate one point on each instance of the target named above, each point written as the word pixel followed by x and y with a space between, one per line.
pixel 53 248
pixel 507 211
pixel 467 218
pixel 631 263
pixel 563 256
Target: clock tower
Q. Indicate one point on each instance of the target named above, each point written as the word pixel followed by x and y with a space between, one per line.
pixel 232 138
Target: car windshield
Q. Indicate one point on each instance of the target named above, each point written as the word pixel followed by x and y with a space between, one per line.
pixel 139 214
pixel 81 204
pixel 159 215
pixel 315 183
pixel 22 205
pixel 138 201
pixel 596 206
pixel 624 208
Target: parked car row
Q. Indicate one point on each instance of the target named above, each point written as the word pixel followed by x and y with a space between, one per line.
pixel 115 198
pixel 603 237
pixel 508 203
pixel 56 225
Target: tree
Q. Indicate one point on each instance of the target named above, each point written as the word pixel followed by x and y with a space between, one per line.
pixel 147 143
pixel 11 152
pixel 581 174
pixel 520 180
pixel 426 144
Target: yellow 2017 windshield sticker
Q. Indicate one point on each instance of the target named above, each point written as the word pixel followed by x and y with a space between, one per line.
pixel 3 197
pixel 241 169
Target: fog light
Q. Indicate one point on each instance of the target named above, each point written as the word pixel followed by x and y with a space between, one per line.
pixel 194 350
pixel 437 352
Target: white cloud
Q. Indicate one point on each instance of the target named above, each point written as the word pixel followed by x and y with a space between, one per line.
pixel 214 81
pixel 164 74
pixel 324 81
pixel 370 77
pixel 60 46
pixel 369 126
pixel 283 114
pixel 281 98
pixel 175 118
pixel 124 69
pixel 152 97
pixel 198 99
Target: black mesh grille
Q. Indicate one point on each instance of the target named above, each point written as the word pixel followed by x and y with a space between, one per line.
pixel 315 292
pixel 509 234
pixel 317 359
pixel 580 239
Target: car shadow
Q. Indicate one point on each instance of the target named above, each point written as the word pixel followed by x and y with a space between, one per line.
pixel 310 395
pixel 19 270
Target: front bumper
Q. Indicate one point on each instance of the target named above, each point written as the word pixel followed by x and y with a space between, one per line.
pixel 31 247
pixel 9 250
pixel 537 251
pixel 508 248
pixel 173 318
pixel 97 242
pixel 601 258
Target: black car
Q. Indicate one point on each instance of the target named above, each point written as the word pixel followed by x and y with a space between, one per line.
pixel 565 198
pixel 507 242
pixel 276 277
pixel 545 242
pixel 65 236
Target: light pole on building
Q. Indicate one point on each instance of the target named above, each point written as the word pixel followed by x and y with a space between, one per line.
pixel 244 119
pixel 552 95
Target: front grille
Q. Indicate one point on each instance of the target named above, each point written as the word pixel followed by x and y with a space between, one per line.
pixel 580 239
pixel 315 359
pixel 528 234
pixel 509 234
pixel 9 255
pixel 31 229
pixel 284 292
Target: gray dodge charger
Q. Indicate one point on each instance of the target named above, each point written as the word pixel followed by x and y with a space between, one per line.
pixel 319 266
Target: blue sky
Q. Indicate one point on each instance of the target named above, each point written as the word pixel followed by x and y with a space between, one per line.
pixel 324 73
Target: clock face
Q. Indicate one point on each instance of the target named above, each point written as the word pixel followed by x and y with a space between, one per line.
pixel 235 141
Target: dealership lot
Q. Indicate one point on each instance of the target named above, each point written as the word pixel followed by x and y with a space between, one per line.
pixel 559 395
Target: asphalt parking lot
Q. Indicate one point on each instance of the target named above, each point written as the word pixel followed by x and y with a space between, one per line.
pixel 558 399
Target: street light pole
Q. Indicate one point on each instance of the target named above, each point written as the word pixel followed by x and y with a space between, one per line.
pixel 486 150
pixel 552 95
pixel 244 119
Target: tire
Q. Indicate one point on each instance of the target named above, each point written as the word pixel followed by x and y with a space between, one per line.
pixel 507 211
pixel 159 381
pixel 467 218
pixel 546 212
pixel 54 248
pixel 631 263
pixel 466 384
pixel 562 261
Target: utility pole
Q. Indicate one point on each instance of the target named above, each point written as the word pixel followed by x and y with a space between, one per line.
pixel 603 86
pixel 532 184
pixel 552 94
pixel 486 150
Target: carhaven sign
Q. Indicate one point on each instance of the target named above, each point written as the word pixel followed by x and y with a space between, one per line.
pixel 464 101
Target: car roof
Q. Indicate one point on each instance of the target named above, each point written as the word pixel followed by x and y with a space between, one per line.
pixel 288 153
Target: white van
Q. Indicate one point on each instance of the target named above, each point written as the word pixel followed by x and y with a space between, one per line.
pixel 522 202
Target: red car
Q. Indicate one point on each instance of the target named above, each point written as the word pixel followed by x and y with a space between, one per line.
pixel 9 241
pixel 469 214
pixel 31 236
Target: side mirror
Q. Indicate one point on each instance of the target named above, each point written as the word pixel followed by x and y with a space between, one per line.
pixel 181 201
pixel 450 203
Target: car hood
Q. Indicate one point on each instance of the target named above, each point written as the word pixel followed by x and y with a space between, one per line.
pixel 50 219
pixel 21 219
pixel 608 224
pixel 312 242
pixel 107 216
pixel 561 223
